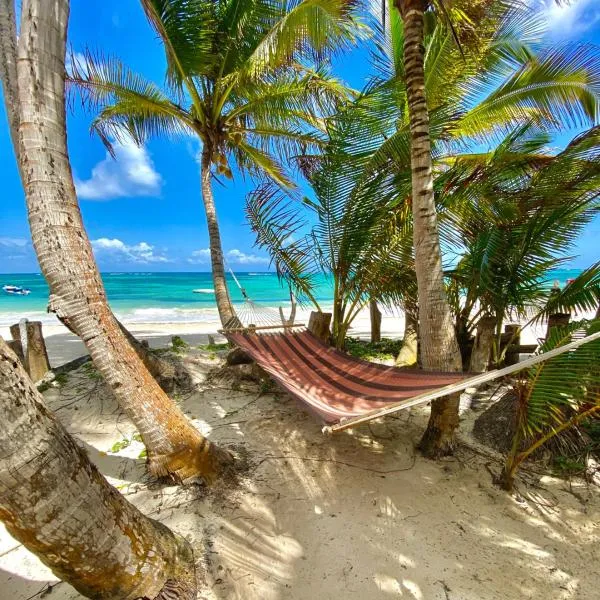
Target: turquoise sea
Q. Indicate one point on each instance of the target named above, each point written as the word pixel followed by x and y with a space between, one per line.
pixel 166 297
pixel 152 297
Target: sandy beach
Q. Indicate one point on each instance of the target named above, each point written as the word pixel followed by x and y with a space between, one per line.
pixel 63 346
pixel 358 515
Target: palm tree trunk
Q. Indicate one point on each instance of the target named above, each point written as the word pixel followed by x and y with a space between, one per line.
pixel 82 528
pixel 175 448
pixel 375 315
pixel 481 353
pixel 408 355
pixel 439 348
pixel 224 306
pixel 8 67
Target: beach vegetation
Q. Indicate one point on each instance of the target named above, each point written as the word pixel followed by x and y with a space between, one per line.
pixel 555 396
pixel 359 225
pixel 513 215
pixel 178 344
pixel 385 350
pixel 239 79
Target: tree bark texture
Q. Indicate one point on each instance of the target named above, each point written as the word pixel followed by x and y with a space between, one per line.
pixel 408 355
pixel 438 346
pixel 8 69
pixel 56 503
pixel 482 348
pixel 175 448
pixel 224 306
pixel 375 314
pixel 318 325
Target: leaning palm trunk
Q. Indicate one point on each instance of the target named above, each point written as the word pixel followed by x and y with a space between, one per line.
pixel 57 504
pixel 224 306
pixel 439 349
pixel 175 448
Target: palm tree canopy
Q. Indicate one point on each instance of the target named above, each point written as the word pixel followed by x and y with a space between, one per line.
pixel 236 77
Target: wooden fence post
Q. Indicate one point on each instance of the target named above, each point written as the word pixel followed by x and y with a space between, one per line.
pixel 318 325
pixel 32 353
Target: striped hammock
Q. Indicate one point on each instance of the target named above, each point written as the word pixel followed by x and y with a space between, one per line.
pixel 344 391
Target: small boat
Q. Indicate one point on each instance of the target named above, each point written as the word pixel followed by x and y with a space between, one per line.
pixel 16 290
pixel 204 291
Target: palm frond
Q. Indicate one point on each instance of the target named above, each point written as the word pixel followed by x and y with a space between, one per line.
pixel 128 103
pixel 308 29
pixel 281 228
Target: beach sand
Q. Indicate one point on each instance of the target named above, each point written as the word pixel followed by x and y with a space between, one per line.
pixel 63 346
pixel 358 515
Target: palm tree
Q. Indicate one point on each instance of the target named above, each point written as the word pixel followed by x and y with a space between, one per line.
pixel 439 347
pixel 175 448
pixel 471 99
pixel 56 503
pixel 308 239
pixel 232 81
pixel 366 173
pixel 517 212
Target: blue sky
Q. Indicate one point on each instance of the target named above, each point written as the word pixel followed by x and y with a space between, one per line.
pixel 143 211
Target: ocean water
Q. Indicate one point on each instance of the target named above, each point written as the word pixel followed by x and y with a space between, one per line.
pixel 153 297
pixel 167 297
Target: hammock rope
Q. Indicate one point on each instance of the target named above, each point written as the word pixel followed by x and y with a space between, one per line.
pixel 251 316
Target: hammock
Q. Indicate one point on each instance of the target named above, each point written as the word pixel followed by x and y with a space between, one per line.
pixel 345 391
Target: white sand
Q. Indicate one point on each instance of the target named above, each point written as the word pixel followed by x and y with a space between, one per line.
pixel 63 346
pixel 358 515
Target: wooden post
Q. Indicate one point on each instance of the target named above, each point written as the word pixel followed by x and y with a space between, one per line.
pixel 17 348
pixel 16 344
pixel 482 348
pixel 557 320
pixel 375 321
pixel 318 325
pixel 36 355
pixel 512 338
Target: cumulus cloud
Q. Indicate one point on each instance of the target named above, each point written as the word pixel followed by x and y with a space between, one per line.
pixel 200 257
pixel 239 257
pixel 130 173
pixel 138 253
pixel 233 256
pixel 567 20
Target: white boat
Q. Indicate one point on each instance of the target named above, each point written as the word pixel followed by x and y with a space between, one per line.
pixel 204 291
pixel 16 290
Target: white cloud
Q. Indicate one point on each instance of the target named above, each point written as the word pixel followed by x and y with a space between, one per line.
pixel 139 253
pixel 233 256
pixel 9 242
pixel 567 20
pixel 237 256
pixel 131 173
pixel 200 257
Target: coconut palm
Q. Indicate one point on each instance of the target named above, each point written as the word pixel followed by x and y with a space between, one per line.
pixel 307 238
pixel 175 448
pixel 475 99
pixel 518 212
pixel 507 79
pixel 56 503
pixel 234 82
